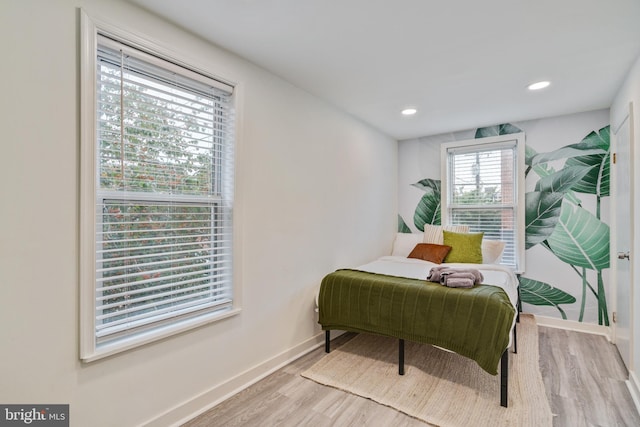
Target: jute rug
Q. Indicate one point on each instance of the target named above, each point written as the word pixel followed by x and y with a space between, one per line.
pixel 440 387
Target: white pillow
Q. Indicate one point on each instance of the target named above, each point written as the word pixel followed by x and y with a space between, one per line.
pixel 405 242
pixel 492 251
pixel 433 233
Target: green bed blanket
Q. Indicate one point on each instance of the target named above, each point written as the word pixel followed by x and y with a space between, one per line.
pixel 473 322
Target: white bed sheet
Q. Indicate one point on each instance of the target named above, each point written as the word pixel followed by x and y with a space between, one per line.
pixel 494 274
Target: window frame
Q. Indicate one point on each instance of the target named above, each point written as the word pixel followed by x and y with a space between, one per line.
pixel 90 29
pixel 483 144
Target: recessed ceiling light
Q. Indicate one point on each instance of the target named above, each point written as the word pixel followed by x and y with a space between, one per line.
pixel 409 111
pixel 538 85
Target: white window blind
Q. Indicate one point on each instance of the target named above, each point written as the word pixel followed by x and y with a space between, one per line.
pixel 483 191
pixel 164 166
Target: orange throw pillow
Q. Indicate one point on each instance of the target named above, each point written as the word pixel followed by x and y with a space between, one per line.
pixel 430 252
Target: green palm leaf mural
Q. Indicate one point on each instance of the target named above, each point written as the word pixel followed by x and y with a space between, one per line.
pixel 542 213
pixel 601 139
pixel 563 180
pixel 402 226
pixel 554 216
pixel 429 184
pixel 543 170
pixel 596 180
pixel 580 239
pixel 428 209
pixel 589 145
pixel 539 293
pixel 503 129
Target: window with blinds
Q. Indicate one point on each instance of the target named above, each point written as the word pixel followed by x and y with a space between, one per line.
pixel 484 190
pixel 164 192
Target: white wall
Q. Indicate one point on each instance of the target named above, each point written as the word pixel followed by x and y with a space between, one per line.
pixel 316 190
pixel 630 92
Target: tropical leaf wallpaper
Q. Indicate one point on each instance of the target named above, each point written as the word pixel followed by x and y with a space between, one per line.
pixel 566 189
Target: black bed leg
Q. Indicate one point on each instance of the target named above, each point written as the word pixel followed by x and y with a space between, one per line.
pixel 504 378
pixel 518 303
pixel 401 358
pixel 327 336
pixel 515 339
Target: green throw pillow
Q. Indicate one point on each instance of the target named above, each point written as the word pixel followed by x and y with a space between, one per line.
pixel 465 247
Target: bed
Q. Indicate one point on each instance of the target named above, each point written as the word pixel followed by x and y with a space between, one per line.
pixel 391 296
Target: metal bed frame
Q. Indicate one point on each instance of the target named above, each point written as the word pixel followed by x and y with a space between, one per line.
pixel 504 360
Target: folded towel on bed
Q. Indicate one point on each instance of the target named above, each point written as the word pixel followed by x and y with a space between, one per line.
pixel 458 282
pixel 462 277
pixel 458 275
pixel 435 274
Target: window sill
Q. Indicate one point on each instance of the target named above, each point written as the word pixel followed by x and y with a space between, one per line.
pixel 128 343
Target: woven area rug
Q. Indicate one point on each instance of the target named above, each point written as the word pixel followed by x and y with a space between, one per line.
pixel 440 387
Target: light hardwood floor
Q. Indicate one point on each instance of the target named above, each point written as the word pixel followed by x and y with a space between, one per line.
pixel 584 379
pixel 583 375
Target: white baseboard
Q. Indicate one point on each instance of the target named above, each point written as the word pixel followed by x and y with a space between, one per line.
pixel 203 402
pixel 572 325
pixel 634 388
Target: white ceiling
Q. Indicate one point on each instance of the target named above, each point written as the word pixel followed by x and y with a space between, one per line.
pixel 461 63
